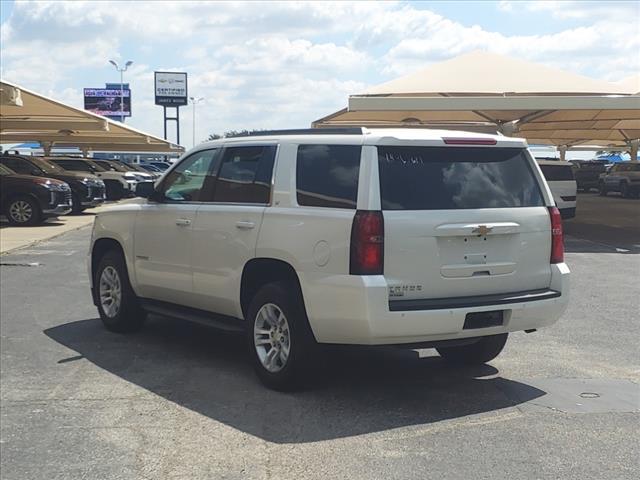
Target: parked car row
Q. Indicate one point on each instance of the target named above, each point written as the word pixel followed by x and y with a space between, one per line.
pixel 88 183
pixel 28 200
pixel 621 177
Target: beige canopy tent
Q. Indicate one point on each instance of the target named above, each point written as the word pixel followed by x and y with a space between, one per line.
pixel 487 92
pixel 26 116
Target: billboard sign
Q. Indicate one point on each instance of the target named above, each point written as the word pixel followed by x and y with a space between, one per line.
pixel 170 88
pixel 106 101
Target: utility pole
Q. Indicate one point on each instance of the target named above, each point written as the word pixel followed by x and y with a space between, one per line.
pixel 121 70
pixel 194 101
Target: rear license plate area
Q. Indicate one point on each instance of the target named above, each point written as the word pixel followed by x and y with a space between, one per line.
pixel 473 320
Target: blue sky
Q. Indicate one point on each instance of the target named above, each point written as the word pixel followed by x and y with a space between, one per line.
pixel 278 65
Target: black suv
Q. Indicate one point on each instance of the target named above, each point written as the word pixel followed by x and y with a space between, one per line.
pixel 28 200
pixel 587 173
pixel 87 190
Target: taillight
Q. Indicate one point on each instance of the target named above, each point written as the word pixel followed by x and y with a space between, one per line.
pixel 557 237
pixel 367 243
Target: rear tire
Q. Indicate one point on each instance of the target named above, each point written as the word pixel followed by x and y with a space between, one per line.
pixel 483 351
pixel 602 190
pixel 117 303
pixel 277 323
pixel 23 211
pixel 624 190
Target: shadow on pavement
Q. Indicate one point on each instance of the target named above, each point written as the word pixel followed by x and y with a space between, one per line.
pixel 360 391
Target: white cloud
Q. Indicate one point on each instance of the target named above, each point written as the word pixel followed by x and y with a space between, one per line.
pixel 505 6
pixel 284 64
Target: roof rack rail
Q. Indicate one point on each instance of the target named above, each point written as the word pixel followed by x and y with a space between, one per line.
pixel 304 131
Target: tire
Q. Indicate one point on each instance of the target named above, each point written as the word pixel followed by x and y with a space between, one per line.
pixel 76 206
pixel 113 190
pixel 624 190
pixel 602 190
pixel 124 314
pixel 294 334
pixel 483 351
pixel 23 211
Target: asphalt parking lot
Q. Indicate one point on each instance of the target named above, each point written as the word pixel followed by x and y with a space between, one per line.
pixel 179 401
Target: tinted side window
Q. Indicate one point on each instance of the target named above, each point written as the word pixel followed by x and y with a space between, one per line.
pixel 245 175
pixel 557 172
pixel 73 165
pixel 191 181
pixel 18 165
pixel 327 175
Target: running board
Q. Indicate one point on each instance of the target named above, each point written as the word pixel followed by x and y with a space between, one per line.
pixel 203 317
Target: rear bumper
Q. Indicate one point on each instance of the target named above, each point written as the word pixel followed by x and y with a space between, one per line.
pixel 360 312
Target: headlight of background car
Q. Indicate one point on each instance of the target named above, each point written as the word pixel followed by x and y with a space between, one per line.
pixel 53 186
pixel 93 182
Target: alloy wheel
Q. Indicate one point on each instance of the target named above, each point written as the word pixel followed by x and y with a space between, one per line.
pixel 271 337
pixel 110 291
pixel 21 211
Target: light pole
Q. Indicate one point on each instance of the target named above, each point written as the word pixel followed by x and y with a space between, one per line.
pixel 121 70
pixel 195 101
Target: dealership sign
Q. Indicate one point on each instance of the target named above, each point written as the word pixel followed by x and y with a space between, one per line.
pixel 106 101
pixel 171 88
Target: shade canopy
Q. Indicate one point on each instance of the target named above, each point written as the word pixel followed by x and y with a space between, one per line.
pixel 26 116
pixel 481 91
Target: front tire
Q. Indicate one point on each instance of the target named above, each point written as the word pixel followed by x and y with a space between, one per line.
pixel 23 211
pixel 117 303
pixel 281 344
pixel 76 206
pixel 482 351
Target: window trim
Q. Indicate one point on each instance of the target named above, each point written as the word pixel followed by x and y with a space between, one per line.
pixel 216 169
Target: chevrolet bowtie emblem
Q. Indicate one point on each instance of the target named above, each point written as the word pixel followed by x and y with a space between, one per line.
pixel 482 230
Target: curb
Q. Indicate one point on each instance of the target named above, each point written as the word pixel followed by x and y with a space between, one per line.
pixel 36 242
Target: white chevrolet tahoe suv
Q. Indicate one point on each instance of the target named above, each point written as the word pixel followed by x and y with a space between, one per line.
pixel 416 238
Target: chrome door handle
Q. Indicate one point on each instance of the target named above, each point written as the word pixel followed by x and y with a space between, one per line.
pixel 245 225
pixel 183 222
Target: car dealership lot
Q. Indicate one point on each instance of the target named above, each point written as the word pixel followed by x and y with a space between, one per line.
pixel 181 401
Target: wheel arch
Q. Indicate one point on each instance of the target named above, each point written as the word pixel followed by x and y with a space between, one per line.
pixel 260 271
pixel 12 195
pixel 99 249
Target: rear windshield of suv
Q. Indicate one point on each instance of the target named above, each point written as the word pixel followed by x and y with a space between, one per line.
pixel 557 173
pixel 448 178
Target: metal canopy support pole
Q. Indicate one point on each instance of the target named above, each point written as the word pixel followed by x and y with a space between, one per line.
pixel 563 152
pixel 633 150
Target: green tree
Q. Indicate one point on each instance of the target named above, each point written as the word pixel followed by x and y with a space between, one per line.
pixel 232 133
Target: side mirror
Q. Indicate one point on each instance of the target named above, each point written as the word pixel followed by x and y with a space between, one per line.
pixel 35 172
pixel 145 190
